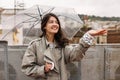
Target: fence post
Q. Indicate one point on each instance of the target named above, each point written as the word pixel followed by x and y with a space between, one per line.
pixel 4 45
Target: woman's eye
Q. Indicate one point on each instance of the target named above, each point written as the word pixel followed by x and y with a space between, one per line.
pixel 53 22
pixel 50 21
pixel 56 22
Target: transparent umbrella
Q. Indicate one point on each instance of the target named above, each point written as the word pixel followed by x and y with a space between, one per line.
pixel 31 18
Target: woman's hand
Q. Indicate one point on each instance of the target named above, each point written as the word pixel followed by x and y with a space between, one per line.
pixel 97 32
pixel 48 67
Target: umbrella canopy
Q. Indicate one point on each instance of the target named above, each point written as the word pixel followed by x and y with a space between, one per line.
pixel 31 18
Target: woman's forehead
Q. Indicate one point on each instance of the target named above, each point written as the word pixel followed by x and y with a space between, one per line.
pixel 52 18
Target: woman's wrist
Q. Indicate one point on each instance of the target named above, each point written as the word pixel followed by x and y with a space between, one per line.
pixel 88 38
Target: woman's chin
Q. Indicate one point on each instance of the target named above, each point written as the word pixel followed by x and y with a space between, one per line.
pixel 54 32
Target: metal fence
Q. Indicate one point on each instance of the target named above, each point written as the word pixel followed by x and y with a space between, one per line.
pixel 101 62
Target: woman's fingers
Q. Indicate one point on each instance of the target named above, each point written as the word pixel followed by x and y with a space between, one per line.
pixel 97 32
pixel 48 67
pixel 100 32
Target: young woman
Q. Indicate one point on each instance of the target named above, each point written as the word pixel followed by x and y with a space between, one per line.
pixel 46 57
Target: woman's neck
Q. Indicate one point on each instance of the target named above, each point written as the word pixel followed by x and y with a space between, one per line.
pixel 50 38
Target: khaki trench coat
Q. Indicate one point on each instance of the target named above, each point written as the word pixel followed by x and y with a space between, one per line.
pixel 38 53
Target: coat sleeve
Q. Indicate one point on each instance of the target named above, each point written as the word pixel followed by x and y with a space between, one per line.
pixel 29 63
pixel 77 52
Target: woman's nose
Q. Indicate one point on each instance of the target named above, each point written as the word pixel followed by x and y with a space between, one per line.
pixel 55 23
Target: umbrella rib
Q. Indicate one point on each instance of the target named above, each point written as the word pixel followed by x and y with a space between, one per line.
pixel 19 27
pixel 31 16
pixel 6 34
pixel 71 18
pixel 25 22
pixel 39 12
pixel 50 10
pixel 9 32
pixel 31 28
pixel 29 21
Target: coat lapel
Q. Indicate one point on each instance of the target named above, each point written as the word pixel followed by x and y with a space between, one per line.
pixel 48 55
pixel 50 58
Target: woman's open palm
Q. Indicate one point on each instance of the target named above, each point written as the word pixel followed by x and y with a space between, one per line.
pixel 97 32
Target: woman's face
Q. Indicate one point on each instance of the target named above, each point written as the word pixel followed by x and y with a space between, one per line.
pixel 52 26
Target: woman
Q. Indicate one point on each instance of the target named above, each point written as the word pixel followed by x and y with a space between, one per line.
pixel 46 57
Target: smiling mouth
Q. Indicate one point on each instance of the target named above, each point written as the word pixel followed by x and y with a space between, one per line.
pixel 55 28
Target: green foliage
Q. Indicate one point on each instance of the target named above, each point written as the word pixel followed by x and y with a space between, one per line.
pixel 93 17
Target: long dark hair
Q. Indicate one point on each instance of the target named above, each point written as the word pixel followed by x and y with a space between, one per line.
pixel 59 36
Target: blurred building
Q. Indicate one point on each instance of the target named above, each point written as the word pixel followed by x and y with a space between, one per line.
pixel 111 37
pixel 8 12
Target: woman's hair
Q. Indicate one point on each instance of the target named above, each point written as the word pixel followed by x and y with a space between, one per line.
pixel 59 36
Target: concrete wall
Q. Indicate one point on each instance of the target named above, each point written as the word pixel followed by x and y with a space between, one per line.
pixel 101 62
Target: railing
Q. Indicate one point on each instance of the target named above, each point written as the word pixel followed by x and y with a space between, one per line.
pixel 101 62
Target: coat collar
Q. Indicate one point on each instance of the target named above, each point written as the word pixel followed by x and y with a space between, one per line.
pixel 47 44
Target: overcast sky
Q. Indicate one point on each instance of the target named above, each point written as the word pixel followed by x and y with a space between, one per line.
pixel 107 8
